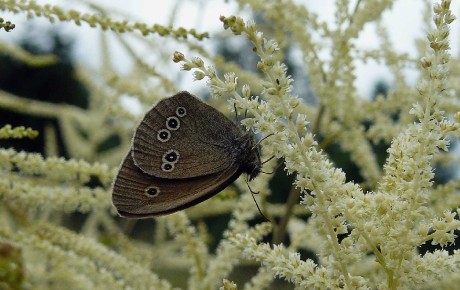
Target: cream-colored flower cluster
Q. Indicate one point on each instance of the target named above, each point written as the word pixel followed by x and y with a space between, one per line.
pixel 32 182
pixel 54 13
pixel 23 55
pixel 389 223
pixel 82 260
pixel 8 131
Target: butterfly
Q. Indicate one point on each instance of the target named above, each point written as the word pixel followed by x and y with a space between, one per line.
pixel 183 152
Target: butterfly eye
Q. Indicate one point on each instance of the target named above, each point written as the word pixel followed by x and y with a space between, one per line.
pixel 171 156
pixel 172 123
pixel 163 135
pixel 167 167
pixel 181 112
pixel 152 191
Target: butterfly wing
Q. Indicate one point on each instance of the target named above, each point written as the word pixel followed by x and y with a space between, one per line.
pixel 198 136
pixel 138 195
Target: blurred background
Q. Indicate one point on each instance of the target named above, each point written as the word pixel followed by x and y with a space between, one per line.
pixel 404 23
pixel 108 55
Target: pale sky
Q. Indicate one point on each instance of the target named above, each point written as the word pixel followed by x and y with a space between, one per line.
pixel 404 24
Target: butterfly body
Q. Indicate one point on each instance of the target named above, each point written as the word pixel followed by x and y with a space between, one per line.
pixel 184 151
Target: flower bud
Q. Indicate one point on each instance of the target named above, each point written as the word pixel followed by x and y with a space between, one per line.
pixel 178 57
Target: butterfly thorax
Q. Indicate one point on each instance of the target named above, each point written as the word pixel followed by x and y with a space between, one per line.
pixel 248 154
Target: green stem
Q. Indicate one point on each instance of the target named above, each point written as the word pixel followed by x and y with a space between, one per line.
pixel 354 11
pixel 327 141
pixel 293 198
pixel 318 120
pixel 381 260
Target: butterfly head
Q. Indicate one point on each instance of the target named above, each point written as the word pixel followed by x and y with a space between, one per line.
pixel 249 157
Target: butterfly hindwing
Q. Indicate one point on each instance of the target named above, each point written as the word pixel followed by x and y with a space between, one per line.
pixel 137 194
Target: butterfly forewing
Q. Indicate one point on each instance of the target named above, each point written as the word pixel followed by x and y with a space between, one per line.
pixel 186 133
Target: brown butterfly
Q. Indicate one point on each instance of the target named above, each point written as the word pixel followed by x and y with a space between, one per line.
pixel 184 151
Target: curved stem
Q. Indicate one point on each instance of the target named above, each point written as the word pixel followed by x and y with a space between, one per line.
pixel 318 120
pixel 293 198
pixel 381 260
